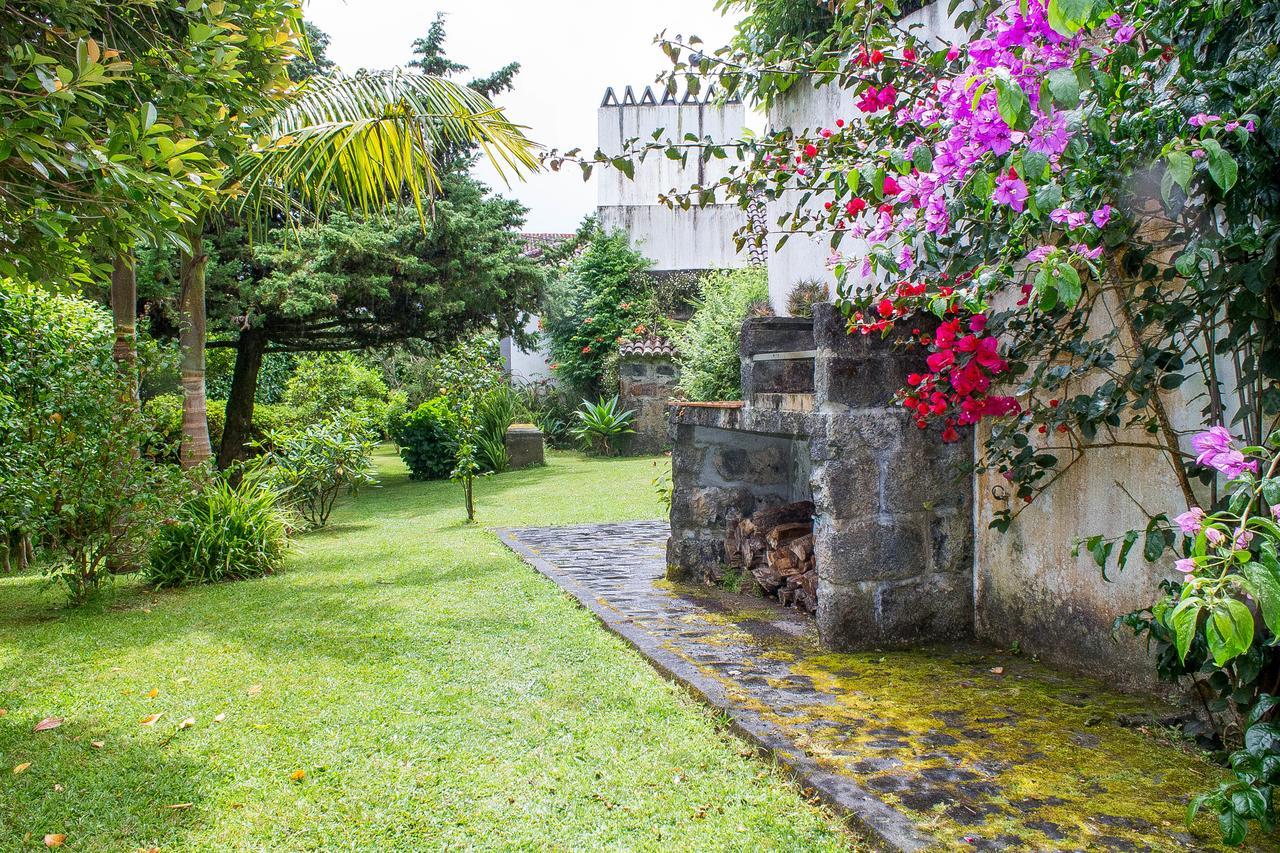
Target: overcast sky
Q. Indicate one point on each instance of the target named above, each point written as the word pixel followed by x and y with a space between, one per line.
pixel 570 50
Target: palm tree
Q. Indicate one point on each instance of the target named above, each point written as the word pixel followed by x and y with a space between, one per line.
pixel 363 142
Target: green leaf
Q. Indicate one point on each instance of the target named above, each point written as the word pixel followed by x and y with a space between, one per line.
pixel 1271 491
pixel 1233 827
pixel 1222 166
pixel 1229 630
pixel 1069 288
pixel 1154 544
pixel 1069 16
pixel 1183 621
pixel 1182 167
pixel 148 115
pixel 1064 87
pixel 1266 589
pixel 1012 104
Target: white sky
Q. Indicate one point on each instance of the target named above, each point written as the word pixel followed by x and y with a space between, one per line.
pixel 570 50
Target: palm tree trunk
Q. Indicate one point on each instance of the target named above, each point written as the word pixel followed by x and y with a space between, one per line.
pixel 124 311
pixel 196 448
pixel 244 387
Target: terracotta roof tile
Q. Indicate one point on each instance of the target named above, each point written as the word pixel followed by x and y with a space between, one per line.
pixel 650 346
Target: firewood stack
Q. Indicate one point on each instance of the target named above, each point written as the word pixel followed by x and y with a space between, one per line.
pixel 776 546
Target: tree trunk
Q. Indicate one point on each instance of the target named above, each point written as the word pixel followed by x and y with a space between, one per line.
pixel 244 386
pixel 124 311
pixel 196 448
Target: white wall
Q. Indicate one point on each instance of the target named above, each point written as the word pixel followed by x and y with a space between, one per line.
pixel 672 239
pixel 526 366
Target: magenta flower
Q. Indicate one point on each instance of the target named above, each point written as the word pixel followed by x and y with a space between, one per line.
pixel 1011 192
pixel 1186 566
pixel 1201 119
pixel 1102 216
pixel 1115 21
pixel 1039 253
pixel 1243 538
pixel 1215 536
pixel 1216 451
pixel 1125 34
pixel 1189 522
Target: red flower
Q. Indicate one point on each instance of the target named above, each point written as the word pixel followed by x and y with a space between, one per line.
pixel 855 206
pixel 811 151
pixel 885 308
pixel 586 349
pixel 891 186
pixel 909 54
pixel 877 57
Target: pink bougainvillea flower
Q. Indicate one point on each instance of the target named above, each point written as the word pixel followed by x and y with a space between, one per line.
pixel 1201 119
pixel 1115 21
pixel 953 54
pixel 1102 216
pixel 891 187
pixel 1186 566
pixel 810 151
pixel 1125 34
pixel 1216 451
pixel 1011 192
pixel 1190 521
pixel 1215 536
pixel 1039 253
pixel 1243 538
pixel 1275 512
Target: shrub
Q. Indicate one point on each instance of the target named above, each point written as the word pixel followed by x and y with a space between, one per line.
pixel 708 344
pixel 74 492
pixel 312 467
pixel 428 439
pixel 550 408
pixel 222 533
pixel 497 410
pixel 323 386
pixel 805 295
pixel 602 422
pixel 604 296
pixel 164 420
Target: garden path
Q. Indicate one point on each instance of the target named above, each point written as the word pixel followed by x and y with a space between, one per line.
pixel 961 747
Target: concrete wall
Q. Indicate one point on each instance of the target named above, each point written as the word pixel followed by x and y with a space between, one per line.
pixel 526 366
pixel 673 239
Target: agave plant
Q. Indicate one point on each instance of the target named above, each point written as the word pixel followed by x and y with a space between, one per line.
pixel 601 422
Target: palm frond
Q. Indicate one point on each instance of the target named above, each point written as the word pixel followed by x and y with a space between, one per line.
pixel 366 141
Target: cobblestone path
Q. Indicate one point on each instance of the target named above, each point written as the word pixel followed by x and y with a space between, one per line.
pixel 951 748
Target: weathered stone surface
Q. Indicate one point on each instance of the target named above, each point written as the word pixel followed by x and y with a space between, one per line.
pixel 938 748
pixel 646 383
pixel 869 548
pixel 894 613
pixel 525 446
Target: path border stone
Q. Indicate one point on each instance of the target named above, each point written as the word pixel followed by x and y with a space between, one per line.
pixel 886 827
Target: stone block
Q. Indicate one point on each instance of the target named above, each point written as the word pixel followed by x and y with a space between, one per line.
pixel 885 614
pixel 951 541
pixel 776 334
pixel 874 548
pixel 525 446
pixel 758 466
pixel 849 486
pixel 777 376
pixel 710 507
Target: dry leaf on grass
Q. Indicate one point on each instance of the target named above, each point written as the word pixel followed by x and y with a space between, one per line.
pixel 55 839
pixel 21 768
pixel 150 719
pixel 187 723
pixel 153 693
pixel 48 723
pixel 3 711
pixel 180 806
pixel 57 788
pixel 298 775
pixel 997 670
pixel 98 744
pixel 219 718
pixel 255 689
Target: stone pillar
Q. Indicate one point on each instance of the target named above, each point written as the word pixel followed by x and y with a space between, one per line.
pixel 893 535
pixel 647 379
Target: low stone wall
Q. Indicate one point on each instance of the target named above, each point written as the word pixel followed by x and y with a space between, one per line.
pixel 893 527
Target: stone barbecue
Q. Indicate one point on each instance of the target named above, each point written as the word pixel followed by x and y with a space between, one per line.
pixel 892 535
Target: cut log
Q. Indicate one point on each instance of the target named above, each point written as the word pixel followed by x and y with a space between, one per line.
pixel 767 519
pixel 784 534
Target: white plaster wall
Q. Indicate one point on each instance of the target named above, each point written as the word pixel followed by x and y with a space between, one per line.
pixel 673 239
pixel 526 366
pixel 808 109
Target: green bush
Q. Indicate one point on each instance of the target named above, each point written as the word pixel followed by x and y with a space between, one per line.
pixel 223 533
pixel 498 409
pixel 323 386
pixel 74 494
pixel 164 416
pixel 309 469
pixel 708 344
pixel 428 439
pixel 601 423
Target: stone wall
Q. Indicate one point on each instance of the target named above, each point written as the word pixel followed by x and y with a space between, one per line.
pixel 647 380
pixel 893 526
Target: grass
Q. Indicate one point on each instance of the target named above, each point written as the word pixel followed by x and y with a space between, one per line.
pixel 406 684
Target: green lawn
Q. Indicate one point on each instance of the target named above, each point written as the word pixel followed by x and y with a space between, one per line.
pixel 427 689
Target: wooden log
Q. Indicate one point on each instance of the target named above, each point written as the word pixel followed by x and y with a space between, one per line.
pixel 767 519
pixel 802 548
pixel 784 534
pixel 733 544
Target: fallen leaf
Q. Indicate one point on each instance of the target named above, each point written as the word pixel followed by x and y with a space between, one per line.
pixel 117 669
pixel 58 788
pixel 146 610
pixel 150 719
pixel 255 689
pixel 153 693
pixel 48 723
pixel 219 718
pixel 298 775
pixel 21 768
pixel 3 711
pixel 55 839
pixel 148 850
pixel 997 670
pixel 179 806
pixel 182 680
pixel 98 744
pixel 187 723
